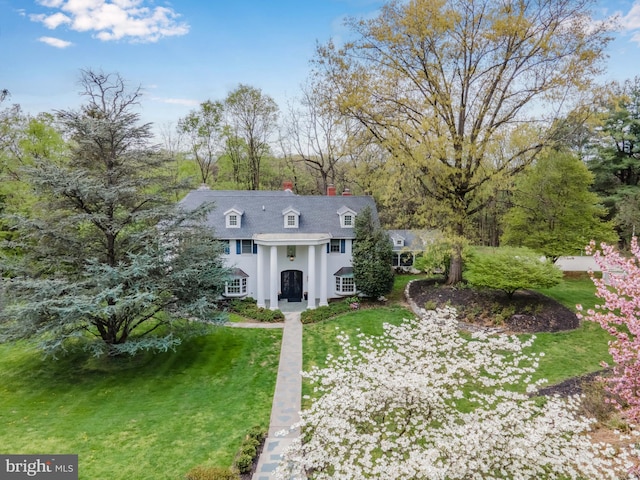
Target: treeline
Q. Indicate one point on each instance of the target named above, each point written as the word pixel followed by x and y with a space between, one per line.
pixel 517 147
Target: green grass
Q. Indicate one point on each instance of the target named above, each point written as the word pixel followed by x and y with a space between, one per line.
pixel 150 417
pixel 576 352
pixel 567 354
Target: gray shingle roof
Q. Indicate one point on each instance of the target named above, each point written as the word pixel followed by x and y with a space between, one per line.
pixel 263 211
pixel 413 239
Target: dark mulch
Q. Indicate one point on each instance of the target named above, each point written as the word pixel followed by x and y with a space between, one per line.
pixel 526 312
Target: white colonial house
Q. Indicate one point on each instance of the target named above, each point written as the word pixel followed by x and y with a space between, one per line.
pixel 283 246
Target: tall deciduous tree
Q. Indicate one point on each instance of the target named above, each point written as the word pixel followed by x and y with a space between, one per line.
pixel 318 135
pixel 203 130
pixel 372 256
pixel 106 254
pixel 252 120
pixel 554 211
pixel 448 86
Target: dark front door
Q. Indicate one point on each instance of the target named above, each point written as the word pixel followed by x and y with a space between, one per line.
pixel 291 285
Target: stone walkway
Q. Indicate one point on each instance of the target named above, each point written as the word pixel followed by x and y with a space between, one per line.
pixel 286 399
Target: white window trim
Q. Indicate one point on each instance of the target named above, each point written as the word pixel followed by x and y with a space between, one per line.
pixel 340 290
pixel 242 243
pixel 229 214
pixel 346 212
pixel 241 287
pixel 291 212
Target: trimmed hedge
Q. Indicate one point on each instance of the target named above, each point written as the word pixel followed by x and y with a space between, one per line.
pixel 247 308
pixel 333 309
pixel 249 449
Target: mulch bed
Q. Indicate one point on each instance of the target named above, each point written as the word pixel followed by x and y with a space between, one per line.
pixel 525 312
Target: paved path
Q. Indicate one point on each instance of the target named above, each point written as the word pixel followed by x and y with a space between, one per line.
pixel 286 399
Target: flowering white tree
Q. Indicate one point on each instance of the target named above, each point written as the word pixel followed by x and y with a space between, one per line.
pixel 423 402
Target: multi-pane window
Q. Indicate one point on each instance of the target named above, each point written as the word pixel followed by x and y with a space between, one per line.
pixel 237 286
pixel 233 220
pixel 225 245
pixel 291 220
pixel 335 245
pixel 348 220
pixel 345 285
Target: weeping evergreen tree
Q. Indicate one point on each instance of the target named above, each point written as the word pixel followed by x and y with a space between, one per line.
pixel 106 255
pixel 372 256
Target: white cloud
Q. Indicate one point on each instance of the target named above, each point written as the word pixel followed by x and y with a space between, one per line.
pixel 631 20
pixel 113 19
pixel 55 42
pixel 177 101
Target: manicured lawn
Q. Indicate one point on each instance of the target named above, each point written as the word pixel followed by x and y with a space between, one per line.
pixel 576 352
pixel 151 417
pixel 567 354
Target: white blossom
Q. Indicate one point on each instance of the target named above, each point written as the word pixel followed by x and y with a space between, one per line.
pixel 423 402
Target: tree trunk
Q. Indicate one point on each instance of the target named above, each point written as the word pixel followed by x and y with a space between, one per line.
pixel 455 266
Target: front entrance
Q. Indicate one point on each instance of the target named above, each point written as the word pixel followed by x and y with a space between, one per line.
pixel 291 285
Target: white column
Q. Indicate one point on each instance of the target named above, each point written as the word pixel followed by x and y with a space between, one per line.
pixel 273 279
pixel 311 273
pixel 260 277
pixel 323 276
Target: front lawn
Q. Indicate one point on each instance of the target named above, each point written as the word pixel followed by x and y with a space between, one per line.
pixel 567 354
pixel 151 417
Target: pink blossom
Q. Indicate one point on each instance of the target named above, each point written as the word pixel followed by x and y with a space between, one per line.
pixel 619 315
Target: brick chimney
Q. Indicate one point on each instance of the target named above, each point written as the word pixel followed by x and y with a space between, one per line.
pixel 346 193
pixel 287 185
pixel 331 190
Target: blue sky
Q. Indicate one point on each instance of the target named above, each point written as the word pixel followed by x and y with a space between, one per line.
pixel 183 52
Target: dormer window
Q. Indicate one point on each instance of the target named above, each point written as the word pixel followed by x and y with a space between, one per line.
pixel 233 218
pixel 398 241
pixel 291 217
pixel 347 217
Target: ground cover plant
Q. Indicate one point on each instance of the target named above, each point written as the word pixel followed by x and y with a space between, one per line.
pixel 144 417
pixel 423 401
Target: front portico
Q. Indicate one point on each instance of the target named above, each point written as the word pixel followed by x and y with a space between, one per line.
pixel 292 252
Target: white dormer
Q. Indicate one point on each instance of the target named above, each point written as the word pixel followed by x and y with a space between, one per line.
pixel 291 217
pixel 347 217
pixel 398 240
pixel 233 218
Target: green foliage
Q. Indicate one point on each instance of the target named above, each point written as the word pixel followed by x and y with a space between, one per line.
pixel 325 312
pixel 211 473
pixel 510 269
pixel 372 256
pixel 452 104
pixel 105 253
pixel 248 308
pixel 554 211
pixel 249 449
pixel 244 462
pixel 148 416
pixel 436 257
pixel 203 130
pixel 615 160
pixel 252 117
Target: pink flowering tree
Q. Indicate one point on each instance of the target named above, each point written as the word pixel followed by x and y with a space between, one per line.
pixel 423 402
pixel 619 314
